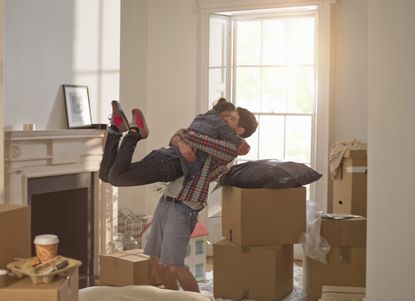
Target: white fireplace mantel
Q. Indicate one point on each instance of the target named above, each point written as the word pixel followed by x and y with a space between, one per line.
pixel 33 154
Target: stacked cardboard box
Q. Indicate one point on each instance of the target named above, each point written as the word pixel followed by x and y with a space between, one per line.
pixel 127 268
pixel 350 188
pixel 346 260
pixel 14 233
pixel 63 288
pixel 255 261
pixel 15 242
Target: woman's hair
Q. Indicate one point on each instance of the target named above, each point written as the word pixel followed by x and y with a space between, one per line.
pixel 247 121
pixel 224 106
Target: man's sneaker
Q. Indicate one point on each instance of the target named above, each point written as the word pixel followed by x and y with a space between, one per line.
pixel 139 123
pixel 118 118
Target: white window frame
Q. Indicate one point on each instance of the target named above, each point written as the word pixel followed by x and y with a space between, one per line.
pixel 320 152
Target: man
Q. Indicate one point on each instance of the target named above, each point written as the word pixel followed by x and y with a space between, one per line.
pixel 176 213
pixel 174 219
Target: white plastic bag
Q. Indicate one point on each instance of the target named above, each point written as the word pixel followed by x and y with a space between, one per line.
pixel 314 245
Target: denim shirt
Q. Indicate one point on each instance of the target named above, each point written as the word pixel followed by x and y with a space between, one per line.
pixel 214 126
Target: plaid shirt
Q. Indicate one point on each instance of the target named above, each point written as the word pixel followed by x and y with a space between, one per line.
pixel 219 153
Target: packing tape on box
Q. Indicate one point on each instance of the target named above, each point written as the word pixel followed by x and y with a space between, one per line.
pixel 357 169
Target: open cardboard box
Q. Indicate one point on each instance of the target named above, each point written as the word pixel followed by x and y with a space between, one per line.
pixel 63 288
pixel 346 260
pixel 130 267
pixel 350 188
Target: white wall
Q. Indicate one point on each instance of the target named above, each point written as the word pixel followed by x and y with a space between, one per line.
pixel 391 124
pixel 171 69
pixel 133 84
pixel 48 43
pixel 349 85
pixel 168 67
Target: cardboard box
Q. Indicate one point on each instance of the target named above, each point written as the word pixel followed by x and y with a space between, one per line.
pixel 15 239
pixel 346 259
pixel 339 293
pixel 62 289
pixel 259 273
pixel 252 217
pixel 344 232
pixel 127 268
pixel 350 189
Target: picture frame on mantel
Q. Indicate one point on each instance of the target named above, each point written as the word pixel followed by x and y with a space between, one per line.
pixel 78 109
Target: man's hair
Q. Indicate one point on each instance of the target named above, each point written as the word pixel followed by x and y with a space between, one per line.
pixel 223 106
pixel 247 121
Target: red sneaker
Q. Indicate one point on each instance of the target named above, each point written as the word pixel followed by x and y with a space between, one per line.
pixel 118 118
pixel 139 123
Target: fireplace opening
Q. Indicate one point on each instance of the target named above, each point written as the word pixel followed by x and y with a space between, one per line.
pixel 63 205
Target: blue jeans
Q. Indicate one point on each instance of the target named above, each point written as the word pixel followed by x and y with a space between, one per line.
pixel 162 165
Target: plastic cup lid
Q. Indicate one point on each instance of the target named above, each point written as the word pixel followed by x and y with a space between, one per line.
pixel 46 239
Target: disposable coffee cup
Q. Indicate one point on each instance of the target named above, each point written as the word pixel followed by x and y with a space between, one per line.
pixel 46 247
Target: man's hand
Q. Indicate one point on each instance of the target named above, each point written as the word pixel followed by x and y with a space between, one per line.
pixel 243 148
pixel 187 151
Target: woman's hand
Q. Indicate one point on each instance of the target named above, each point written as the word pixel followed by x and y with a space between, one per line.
pixel 187 151
pixel 243 148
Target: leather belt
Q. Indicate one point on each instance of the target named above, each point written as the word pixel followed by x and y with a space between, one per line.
pixel 170 199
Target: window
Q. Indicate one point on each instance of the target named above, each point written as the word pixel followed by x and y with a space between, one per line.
pixel 200 270
pixel 274 77
pixel 199 247
pixel 273 60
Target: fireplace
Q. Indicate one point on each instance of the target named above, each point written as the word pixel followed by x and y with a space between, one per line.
pixel 55 173
pixel 63 205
